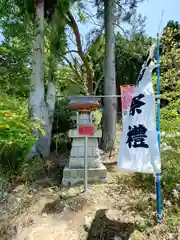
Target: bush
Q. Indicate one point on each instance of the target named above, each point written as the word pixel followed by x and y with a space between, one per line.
pixel 62 117
pixel 170 155
pixel 170 175
pixel 16 137
pixel 31 170
pixel 61 125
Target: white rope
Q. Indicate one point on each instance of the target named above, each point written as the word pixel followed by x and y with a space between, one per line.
pixel 104 96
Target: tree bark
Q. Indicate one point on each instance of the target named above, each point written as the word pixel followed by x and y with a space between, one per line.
pixel 38 108
pixel 51 100
pixel 109 113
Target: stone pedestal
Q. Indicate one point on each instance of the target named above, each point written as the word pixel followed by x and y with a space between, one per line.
pixel 74 172
pixel 73 176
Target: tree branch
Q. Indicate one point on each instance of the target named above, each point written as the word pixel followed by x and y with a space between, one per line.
pixel 71 51
pixel 117 25
pixel 72 23
pixel 74 69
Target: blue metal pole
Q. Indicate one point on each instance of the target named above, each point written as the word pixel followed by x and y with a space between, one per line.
pixel 158 175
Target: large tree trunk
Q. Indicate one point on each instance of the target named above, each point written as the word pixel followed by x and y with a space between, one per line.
pixel 51 99
pixel 109 113
pixel 38 108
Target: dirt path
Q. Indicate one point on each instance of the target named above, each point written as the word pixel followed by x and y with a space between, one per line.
pixel 68 226
pixel 115 210
pixel 49 223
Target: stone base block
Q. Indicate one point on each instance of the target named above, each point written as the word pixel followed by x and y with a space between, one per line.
pixel 76 176
pixel 79 162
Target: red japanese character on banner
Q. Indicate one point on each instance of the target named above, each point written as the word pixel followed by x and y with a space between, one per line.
pixel 126 97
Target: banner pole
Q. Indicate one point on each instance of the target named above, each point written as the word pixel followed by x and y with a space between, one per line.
pixel 158 175
pixel 86 166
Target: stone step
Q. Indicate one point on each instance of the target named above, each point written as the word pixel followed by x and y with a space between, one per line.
pixel 80 152
pixel 79 163
pixel 80 142
pixel 75 176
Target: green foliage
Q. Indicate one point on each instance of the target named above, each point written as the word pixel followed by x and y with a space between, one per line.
pixel 29 170
pixel 61 125
pixel 68 83
pixel 171 173
pixel 98 116
pixel 95 53
pixel 170 67
pixel 170 118
pixel 62 117
pixel 170 101
pixel 15 51
pixel 130 54
pixel 16 137
pixel 169 177
pixel 15 74
pixel 82 16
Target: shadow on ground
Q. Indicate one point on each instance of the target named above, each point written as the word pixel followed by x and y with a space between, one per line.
pixel 56 206
pixel 102 228
pixel 73 203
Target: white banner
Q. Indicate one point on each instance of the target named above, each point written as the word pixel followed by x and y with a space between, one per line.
pixel 139 151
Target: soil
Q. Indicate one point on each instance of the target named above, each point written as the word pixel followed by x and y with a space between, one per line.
pixel 117 210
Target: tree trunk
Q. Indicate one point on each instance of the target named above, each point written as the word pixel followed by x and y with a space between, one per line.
pixel 109 113
pixel 37 106
pixel 51 99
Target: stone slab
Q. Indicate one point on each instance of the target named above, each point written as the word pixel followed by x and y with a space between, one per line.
pixel 79 142
pixel 75 176
pixel 77 152
pixel 93 162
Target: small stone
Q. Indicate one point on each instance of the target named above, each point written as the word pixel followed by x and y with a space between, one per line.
pixel 51 190
pixel 136 235
pixel 101 151
pixel 11 198
pixel 168 203
pixel 19 189
pixel 117 238
pixel 87 223
pixel 170 236
pixel 153 237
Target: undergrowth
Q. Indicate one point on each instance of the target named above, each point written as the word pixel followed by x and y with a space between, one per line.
pixel 16 140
